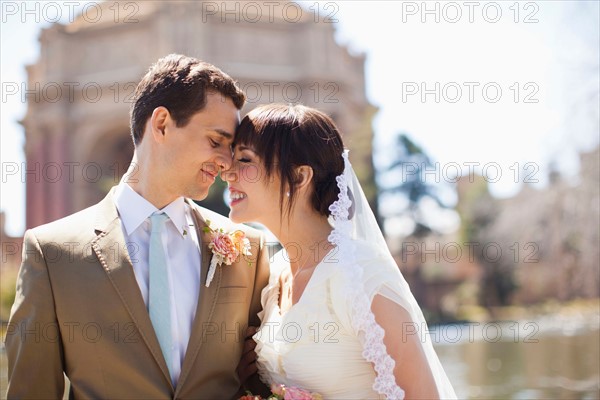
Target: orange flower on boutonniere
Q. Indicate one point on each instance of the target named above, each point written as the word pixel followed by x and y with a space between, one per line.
pixel 226 248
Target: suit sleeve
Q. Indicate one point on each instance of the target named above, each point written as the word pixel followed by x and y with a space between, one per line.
pixel 33 343
pixel 261 279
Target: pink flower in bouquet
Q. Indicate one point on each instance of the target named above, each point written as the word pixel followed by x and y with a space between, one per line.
pixel 293 393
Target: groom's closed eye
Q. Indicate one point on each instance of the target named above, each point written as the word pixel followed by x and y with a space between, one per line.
pixel 222 138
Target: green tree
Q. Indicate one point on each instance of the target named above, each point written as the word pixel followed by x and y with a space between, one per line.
pixel 407 177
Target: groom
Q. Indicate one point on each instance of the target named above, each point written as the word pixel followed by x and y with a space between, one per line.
pixel 115 296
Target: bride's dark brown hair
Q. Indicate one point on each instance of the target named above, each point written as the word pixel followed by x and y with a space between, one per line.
pixel 286 137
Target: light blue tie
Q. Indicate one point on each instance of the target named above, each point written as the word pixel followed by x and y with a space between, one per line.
pixel 159 305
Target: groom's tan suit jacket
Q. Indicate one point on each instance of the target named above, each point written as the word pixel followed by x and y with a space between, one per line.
pixel 79 309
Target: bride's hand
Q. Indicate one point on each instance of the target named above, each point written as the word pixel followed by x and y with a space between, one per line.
pixel 247 365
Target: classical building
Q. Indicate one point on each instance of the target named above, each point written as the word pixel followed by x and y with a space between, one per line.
pixel 77 124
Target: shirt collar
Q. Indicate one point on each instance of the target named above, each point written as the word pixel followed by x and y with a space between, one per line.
pixel 176 212
pixel 135 209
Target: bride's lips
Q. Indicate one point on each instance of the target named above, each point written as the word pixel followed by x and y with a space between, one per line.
pixel 236 196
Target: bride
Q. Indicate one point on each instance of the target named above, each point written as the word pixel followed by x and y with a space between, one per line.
pixel 338 318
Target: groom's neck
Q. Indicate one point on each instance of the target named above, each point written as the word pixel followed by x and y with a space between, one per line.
pixel 146 182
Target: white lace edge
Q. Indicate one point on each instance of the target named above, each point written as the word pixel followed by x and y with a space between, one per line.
pixel 362 317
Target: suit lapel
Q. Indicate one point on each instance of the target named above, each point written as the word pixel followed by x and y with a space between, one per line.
pixel 206 300
pixel 111 249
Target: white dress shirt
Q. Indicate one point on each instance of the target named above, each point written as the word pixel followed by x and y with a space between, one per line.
pixel 182 250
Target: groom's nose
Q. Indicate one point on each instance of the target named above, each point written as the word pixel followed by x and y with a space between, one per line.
pixel 224 160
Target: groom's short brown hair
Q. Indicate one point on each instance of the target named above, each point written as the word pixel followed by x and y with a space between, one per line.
pixel 179 83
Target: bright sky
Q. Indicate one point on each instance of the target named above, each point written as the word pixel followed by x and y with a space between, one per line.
pixel 483 73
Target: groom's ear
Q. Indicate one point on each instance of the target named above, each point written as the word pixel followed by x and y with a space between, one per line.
pixel 158 123
pixel 304 175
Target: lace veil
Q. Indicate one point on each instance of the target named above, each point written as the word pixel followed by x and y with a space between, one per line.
pixel 369 269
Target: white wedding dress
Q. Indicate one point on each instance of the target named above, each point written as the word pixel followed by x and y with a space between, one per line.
pixel 313 345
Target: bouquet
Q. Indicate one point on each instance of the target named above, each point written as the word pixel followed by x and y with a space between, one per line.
pixel 283 392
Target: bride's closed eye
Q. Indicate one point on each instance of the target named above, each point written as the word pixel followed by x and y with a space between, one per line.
pixel 244 155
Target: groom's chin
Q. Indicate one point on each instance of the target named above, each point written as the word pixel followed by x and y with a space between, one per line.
pixel 198 195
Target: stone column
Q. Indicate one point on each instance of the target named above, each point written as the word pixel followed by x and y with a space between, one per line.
pixel 60 188
pixel 34 189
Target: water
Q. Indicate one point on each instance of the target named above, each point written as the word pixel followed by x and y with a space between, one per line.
pixel 546 359
pixel 550 358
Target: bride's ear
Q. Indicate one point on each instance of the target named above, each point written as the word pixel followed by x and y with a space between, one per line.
pixel 304 175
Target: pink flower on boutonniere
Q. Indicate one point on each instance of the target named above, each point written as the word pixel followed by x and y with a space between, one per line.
pixel 226 248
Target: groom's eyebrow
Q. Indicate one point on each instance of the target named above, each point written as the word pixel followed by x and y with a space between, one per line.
pixel 225 134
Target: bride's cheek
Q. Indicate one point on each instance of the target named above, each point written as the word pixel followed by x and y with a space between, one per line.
pixel 244 173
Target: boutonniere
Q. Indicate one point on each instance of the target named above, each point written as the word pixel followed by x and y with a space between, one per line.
pixel 226 248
